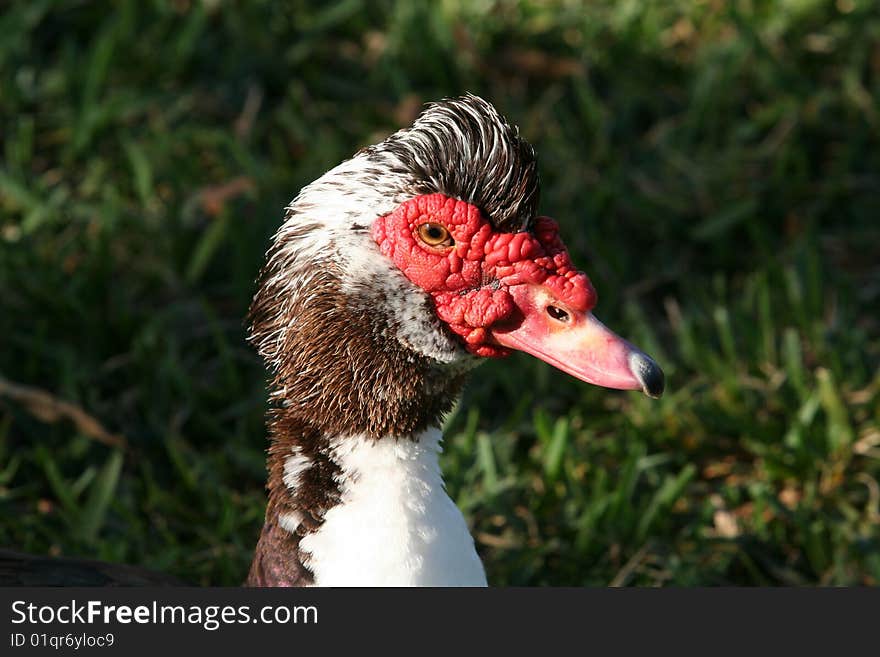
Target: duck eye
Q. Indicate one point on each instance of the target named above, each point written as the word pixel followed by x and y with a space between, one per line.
pixel 435 235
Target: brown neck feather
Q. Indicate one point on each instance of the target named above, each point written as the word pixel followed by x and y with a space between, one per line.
pixel 338 370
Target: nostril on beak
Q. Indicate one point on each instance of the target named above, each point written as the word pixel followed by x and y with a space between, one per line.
pixel 648 373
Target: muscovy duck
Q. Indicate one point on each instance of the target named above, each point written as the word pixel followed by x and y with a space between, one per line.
pixel 391 277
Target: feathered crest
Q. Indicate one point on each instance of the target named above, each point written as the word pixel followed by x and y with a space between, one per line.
pixel 464 148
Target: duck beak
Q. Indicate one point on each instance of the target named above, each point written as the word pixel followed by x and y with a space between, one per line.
pixel 575 342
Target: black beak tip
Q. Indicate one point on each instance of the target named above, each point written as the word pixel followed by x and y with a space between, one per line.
pixel 648 373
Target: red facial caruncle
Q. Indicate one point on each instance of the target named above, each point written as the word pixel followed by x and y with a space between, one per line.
pixel 502 290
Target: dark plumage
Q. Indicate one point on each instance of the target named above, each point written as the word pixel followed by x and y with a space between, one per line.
pixel 463 148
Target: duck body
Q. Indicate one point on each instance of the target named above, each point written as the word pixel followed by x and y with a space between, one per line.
pixel 390 279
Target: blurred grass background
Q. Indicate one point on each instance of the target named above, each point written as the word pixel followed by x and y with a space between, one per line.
pixel 715 167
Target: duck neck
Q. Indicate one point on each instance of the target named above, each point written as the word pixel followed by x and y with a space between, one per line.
pixel 348 397
pixel 361 511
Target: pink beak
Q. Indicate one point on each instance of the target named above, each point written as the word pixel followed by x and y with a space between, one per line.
pixel 576 342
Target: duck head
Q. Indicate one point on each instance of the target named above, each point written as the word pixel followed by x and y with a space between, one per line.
pixel 433 235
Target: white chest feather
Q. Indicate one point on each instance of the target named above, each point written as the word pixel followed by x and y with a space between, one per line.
pixel 395 525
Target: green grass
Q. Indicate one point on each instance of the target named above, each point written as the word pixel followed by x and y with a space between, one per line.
pixel 715 167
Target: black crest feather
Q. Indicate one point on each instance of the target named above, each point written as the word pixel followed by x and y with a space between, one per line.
pixel 464 148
